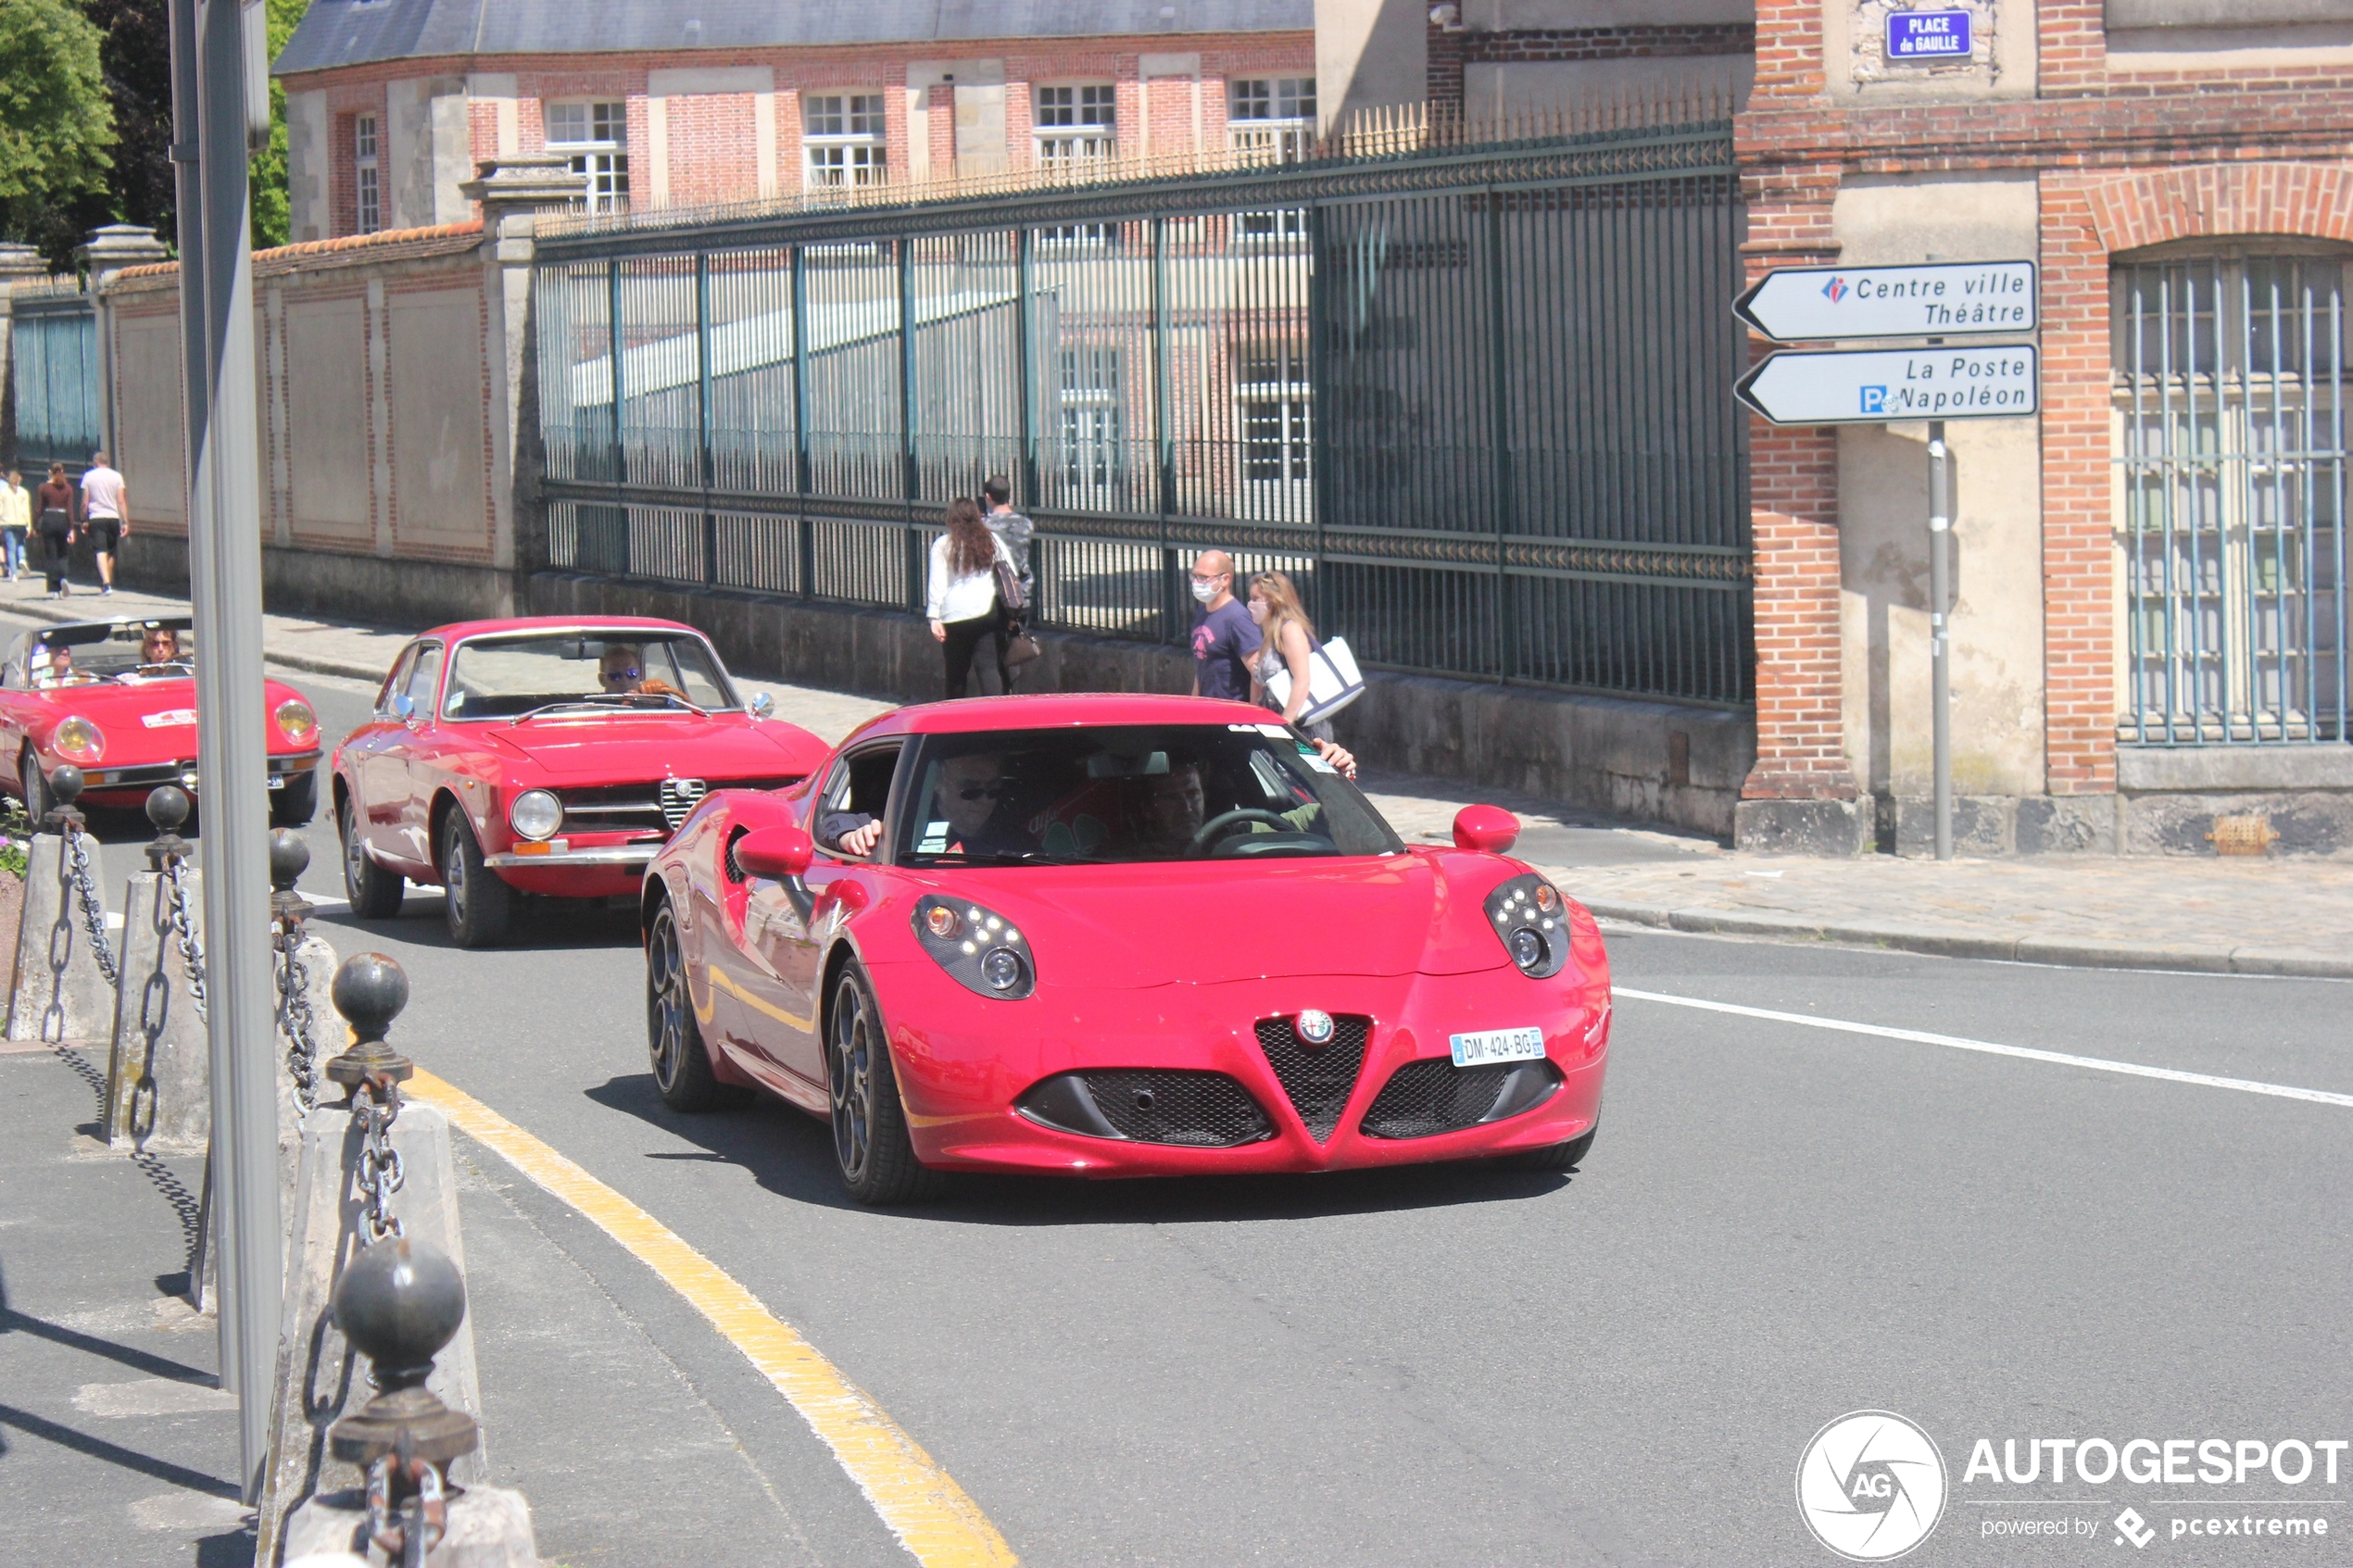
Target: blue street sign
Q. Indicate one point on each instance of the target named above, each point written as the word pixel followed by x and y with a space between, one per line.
pixel 1928 35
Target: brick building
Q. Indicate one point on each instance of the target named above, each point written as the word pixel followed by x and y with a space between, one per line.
pixel 2149 613
pixel 391 103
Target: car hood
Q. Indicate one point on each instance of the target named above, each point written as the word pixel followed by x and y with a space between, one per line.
pixel 123 714
pixel 721 746
pixel 1125 927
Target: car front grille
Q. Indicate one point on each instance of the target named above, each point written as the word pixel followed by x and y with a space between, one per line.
pixel 1424 1098
pixel 1177 1106
pixel 680 796
pixel 659 805
pixel 1317 1078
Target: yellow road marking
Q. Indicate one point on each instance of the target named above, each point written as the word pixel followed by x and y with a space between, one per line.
pixel 924 1508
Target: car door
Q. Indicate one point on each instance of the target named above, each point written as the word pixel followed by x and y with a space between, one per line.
pixel 410 766
pixel 373 771
pixel 781 1005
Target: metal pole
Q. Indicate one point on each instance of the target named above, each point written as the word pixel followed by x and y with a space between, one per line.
pixel 224 562
pixel 1940 643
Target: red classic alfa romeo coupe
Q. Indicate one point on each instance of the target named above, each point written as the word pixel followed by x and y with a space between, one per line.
pixel 542 756
pixel 117 699
pixel 1111 936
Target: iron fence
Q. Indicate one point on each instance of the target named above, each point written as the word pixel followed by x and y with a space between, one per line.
pixel 1476 400
pixel 54 352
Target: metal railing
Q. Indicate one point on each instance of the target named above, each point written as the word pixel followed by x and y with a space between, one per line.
pixel 1475 397
pixel 2231 391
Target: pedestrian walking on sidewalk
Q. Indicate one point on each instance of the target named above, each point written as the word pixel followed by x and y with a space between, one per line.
pixel 1224 638
pixel 962 599
pixel 54 507
pixel 1286 644
pixel 1014 530
pixel 16 518
pixel 106 516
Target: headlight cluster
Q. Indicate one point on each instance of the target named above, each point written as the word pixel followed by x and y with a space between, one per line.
pixel 1530 918
pixel 982 949
pixel 536 814
pixel 78 740
pixel 296 722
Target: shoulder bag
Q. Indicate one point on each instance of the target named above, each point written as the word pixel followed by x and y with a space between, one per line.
pixel 1333 681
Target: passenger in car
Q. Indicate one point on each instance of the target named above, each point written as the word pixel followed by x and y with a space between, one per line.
pixel 963 818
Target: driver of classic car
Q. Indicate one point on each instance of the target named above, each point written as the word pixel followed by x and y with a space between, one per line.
pixel 620 670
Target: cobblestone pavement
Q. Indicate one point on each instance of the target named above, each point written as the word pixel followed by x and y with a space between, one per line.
pixel 2279 916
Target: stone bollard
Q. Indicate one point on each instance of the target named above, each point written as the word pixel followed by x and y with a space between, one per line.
pixel 65 989
pixel 400 1302
pixel 361 1176
pixel 159 1078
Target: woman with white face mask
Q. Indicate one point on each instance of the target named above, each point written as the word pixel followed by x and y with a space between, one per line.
pixel 1286 641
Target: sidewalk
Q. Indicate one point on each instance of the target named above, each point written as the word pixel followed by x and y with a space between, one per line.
pixel 2253 916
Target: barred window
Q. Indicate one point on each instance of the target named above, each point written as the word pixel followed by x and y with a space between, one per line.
pixel 366 187
pixel 1091 416
pixel 2232 395
pixel 599 133
pixel 1271 384
pixel 844 137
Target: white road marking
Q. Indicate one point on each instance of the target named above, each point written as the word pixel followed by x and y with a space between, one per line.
pixel 2024 1053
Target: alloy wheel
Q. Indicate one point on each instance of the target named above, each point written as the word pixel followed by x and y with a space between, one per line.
pixel 355 855
pixel 666 1001
pixel 453 874
pixel 850 1073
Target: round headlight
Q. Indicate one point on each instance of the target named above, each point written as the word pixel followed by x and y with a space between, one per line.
pixel 78 740
pixel 536 814
pixel 1001 968
pixel 296 720
pixel 1546 899
pixel 941 922
pixel 1527 949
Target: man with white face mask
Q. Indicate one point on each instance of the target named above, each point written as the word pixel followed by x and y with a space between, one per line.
pixel 1224 638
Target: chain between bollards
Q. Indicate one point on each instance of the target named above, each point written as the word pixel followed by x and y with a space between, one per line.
pixel 370 991
pixel 289 857
pixel 65 819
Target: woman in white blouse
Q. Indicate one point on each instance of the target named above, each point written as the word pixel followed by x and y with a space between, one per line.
pixel 963 589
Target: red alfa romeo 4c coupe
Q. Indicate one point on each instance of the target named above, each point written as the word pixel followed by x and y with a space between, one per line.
pixel 1115 936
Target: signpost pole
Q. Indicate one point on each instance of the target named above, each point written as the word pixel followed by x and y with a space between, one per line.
pixel 1940 646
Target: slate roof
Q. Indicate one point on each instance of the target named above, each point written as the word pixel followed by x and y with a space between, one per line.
pixel 344 32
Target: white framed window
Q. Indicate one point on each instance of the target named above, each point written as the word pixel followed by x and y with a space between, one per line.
pixel 1091 416
pixel 367 180
pixel 595 132
pixel 1272 119
pixel 1271 389
pixel 844 135
pixel 1076 124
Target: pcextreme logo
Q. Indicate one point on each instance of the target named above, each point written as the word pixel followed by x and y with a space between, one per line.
pixel 1870 1486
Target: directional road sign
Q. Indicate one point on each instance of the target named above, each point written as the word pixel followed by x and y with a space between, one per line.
pixel 1941 299
pixel 1877 385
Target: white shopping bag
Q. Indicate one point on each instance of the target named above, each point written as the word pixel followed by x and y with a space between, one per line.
pixel 1333 681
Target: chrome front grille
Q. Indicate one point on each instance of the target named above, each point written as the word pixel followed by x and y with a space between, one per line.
pixel 679 797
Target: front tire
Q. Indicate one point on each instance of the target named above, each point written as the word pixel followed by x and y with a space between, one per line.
pixel 480 907
pixel 1559 1157
pixel 297 803
pixel 673 1040
pixel 34 786
pixel 871 1148
pixel 376 893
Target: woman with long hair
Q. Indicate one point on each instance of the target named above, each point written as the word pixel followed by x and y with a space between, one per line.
pixel 964 590
pixel 1285 645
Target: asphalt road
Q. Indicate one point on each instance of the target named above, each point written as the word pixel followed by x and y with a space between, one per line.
pixel 1779 1225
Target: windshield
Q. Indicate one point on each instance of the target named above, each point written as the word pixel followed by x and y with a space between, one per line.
pixel 642 671
pixel 1118 794
pixel 126 653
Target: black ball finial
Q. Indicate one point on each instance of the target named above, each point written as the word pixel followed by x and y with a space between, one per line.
pixel 371 989
pixel 398 1302
pixel 289 856
pixel 167 808
pixel 65 785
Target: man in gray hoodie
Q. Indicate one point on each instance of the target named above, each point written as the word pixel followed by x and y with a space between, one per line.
pixel 1014 530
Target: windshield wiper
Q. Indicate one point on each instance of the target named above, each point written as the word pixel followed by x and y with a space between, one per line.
pixel 625 700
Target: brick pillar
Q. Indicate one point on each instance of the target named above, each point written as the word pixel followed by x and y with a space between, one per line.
pixel 1442 68
pixel 2079 561
pixel 2071 48
pixel 941 123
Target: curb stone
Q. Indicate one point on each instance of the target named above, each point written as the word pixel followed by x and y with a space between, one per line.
pixel 2071 952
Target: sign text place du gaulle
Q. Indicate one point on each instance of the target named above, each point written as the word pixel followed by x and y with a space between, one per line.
pixel 1928 35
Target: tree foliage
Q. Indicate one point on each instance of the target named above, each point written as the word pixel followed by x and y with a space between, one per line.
pixel 56 120
pixel 272 212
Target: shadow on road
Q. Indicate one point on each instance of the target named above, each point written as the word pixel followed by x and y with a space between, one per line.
pixel 791 1155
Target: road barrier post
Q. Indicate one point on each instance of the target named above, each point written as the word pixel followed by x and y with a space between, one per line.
pixel 400 1302
pixel 373 1168
pixel 304 970
pixel 158 1076
pixel 64 963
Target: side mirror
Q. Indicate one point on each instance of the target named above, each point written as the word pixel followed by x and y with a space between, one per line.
pixel 404 707
pixel 1490 828
pixel 780 854
pixel 762 706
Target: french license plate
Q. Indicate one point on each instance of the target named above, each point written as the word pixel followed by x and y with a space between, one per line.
pixel 277 781
pixel 1496 1045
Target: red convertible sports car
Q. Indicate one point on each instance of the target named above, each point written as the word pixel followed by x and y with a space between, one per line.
pixel 543 756
pixel 117 699
pixel 1113 936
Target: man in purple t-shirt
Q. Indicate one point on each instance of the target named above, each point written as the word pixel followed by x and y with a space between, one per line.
pixel 1224 638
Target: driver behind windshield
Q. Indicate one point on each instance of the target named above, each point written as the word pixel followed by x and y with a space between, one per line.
pixel 963 814
pixel 622 670
pixel 160 652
